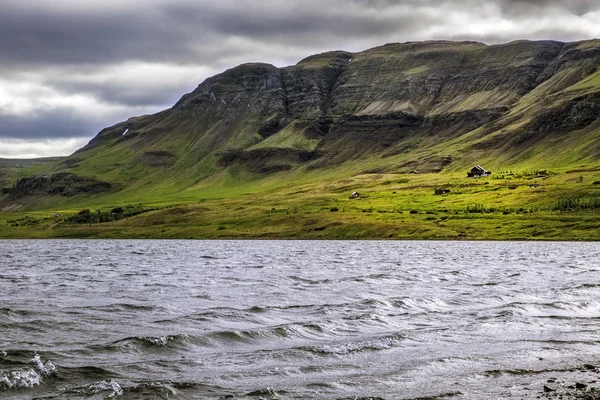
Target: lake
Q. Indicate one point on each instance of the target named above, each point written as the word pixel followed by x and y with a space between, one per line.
pixel 182 319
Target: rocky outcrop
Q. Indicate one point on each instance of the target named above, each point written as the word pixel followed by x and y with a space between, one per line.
pixel 268 160
pixel 60 184
pixel 158 158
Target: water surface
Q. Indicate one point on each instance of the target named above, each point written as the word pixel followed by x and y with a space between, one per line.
pixel 83 319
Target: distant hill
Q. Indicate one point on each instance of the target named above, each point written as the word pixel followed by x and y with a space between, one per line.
pixel 27 162
pixel 9 166
pixel 420 107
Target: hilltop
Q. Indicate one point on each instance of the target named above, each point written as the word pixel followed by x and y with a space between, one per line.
pixel 402 119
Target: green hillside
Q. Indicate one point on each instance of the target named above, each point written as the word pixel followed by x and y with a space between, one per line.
pixel 276 152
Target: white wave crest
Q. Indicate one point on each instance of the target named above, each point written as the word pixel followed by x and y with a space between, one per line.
pixel 43 368
pixel 27 377
pixel 158 340
pixel 106 385
pixel 347 348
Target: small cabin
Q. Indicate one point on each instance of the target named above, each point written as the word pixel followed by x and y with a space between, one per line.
pixel 355 195
pixel 478 171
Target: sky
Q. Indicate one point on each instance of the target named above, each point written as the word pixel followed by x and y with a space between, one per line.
pixel 72 67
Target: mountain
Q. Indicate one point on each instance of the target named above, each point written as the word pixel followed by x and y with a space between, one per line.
pixel 418 107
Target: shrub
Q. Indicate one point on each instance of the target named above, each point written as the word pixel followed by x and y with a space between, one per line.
pixel 476 208
pixel 86 217
pixel 576 204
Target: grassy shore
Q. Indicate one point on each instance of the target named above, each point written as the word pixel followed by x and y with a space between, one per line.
pixel 509 205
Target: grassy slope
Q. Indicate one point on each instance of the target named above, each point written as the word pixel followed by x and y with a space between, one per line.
pixel 391 206
pixel 195 199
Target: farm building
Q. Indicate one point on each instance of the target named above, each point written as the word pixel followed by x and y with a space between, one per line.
pixel 478 171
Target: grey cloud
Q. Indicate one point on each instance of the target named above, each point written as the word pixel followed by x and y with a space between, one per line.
pixel 132 96
pixel 44 124
pixel 578 7
pixel 34 37
pixel 316 18
pixel 181 31
pixel 55 42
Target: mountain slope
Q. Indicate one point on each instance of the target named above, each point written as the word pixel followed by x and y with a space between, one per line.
pixel 412 107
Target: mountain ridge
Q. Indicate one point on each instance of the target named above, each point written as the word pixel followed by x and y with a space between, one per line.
pixel 407 107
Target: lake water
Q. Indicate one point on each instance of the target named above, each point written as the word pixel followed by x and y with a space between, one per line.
pixel 149 319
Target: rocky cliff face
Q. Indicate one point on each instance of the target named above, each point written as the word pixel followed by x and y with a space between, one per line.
pixel 412 106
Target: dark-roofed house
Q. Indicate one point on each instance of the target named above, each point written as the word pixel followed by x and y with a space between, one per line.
pixel 478 171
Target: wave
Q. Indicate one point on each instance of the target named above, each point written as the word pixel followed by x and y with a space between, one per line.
pixel 85 372
pixel 9 312
pixel 560 310
pixel 518 372
pixel 171 390
pixel 23 378
pixel 266 393
pixel 365 398
pixel 107 385
pixel 289 331
pixel 118 307
pixel 382 343
pixel 439 396
pixel 588 286
pixel 309 281
pixel 155 341
pixel 260 309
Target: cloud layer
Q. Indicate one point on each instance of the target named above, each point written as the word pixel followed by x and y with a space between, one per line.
pixel 70 68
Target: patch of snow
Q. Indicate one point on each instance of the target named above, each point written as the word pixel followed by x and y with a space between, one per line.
pixel 212 96
pixel 223 101
pixel 350 60
pixel 126 130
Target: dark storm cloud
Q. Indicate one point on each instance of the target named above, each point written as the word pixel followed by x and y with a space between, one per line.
pixel 32 37
pixel 180 31
pixel 71 67
pixel 315 18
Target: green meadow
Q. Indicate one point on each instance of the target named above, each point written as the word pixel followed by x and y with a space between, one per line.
pixel 509 205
